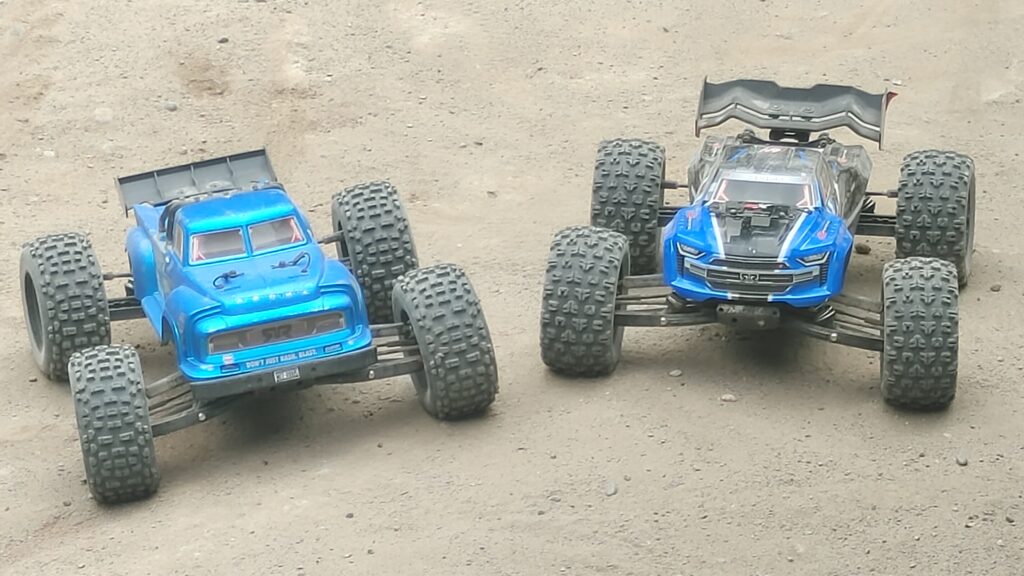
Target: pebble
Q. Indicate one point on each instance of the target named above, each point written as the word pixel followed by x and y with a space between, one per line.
pixel 995 287
pixel 103 115
pixel 728 398
pixel 49 154
pixel 554 498
pixel 1011 519
pixel 611 489
pixel 862 248
pixel 369 551
pixel 67 503
pixel 676 373
pixel 170 106
pixel 33 379
pixel 961 460
pixel 222 40
pixel 349 515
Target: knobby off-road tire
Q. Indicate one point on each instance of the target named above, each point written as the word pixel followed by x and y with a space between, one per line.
pixel 586 267
pixel 935 209
pixel 460 375
pixel 113 424
pixel 64 300
pixel 628 191
pixel 920 333
pixel 377 242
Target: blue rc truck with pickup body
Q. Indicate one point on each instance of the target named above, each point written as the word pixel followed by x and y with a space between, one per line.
pixel 225 267
pixel 766 238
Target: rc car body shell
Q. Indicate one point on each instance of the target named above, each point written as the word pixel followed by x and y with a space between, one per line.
pixel 264 296
pixel 766 249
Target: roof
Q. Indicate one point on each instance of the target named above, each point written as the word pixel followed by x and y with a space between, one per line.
pixel 770 160
pixel 235 209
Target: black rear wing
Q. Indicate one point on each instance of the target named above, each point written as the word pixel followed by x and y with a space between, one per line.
pixel 765 104
pixel 234 172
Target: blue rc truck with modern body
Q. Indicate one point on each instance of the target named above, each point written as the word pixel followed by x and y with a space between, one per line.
pixel 766 238
pixel 225 267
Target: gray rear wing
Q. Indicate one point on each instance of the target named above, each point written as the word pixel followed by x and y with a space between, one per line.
pixel 765 104
pixel 234 172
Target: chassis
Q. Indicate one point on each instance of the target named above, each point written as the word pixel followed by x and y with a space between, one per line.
pixel 624 269
pixel 395 317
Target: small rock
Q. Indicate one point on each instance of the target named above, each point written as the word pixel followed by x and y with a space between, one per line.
pixel 170 106
pixel 478 142
pixel 862 248
pixel 728 398
pixel 555 498
pixel 349 555
pixel 995 287
pixel 540 512
pixel 349 515
pixel 896 82
pixel 67 503
pixel 492 193
pixel 611 489
pixel 369 550
pixel 49 153
pixel 380 444
pixel 222 40
pixel 627 477
pixel 103 115
pixel 1011 519
pixel 675 373
pixel 961 460
pixel 81 565
pixel 33 379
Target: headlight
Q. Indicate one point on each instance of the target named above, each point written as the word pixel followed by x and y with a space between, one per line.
pixel 688 250
pixel 814 259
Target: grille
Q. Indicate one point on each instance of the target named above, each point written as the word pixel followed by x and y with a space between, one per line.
pixel 749 263
pixel 823 271
pixel 275 332
pixel 748 280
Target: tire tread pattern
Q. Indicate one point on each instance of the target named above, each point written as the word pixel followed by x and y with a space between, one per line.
pixel 933 207
pixel 378 242
pixel 627 194
pixel 112 413
pixel 921 333
pixel 578 334
pixel 455 343
pixel 70 287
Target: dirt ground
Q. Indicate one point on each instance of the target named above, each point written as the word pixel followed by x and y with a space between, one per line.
pixel 486 115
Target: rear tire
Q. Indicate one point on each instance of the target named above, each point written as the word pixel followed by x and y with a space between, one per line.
pixel 627 194
pixel 920 333
pixel 935 209
pixel 586 267
pixel 460 376
pixel 112 413
pixel 377 242
pixel 64 300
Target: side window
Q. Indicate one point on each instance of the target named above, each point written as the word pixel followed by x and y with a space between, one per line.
pixel 179 240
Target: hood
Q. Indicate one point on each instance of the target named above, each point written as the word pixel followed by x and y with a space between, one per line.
pixel 748 231
pixel 260 282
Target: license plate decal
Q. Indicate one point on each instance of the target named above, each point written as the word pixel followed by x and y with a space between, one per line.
pixel 286 374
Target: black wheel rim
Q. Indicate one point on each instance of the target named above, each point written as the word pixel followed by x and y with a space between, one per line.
pixel 32 312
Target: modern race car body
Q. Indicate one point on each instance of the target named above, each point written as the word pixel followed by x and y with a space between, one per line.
pixel 765 240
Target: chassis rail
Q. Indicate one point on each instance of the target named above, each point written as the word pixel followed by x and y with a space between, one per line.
pixel 847 319
pixel 172 405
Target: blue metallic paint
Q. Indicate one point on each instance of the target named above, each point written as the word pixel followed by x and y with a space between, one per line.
pixel 183 296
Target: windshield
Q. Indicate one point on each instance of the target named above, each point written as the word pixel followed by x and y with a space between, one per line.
pixel 782 193
pixel 275 234
pixel 216 245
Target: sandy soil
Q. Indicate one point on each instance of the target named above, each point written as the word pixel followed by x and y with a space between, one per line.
pixel 486 116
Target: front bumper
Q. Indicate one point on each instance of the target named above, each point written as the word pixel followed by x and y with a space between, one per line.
pixel 291 375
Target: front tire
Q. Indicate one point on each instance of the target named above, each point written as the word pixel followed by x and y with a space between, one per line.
pixel 586 268
pixel 440 307
pixel 112 413
pixel 64 300
pixel 920 333
pixel 377 242
pixel 627 193
pixel 935 209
